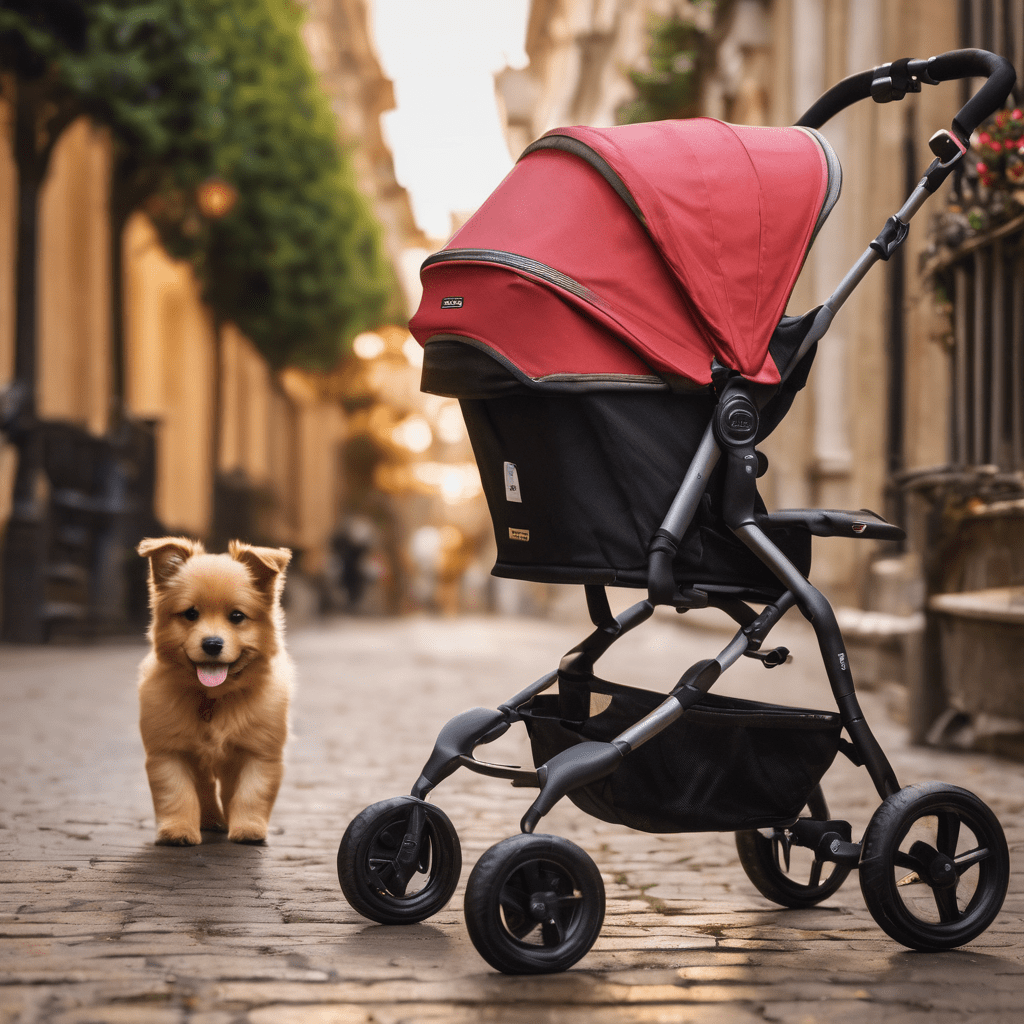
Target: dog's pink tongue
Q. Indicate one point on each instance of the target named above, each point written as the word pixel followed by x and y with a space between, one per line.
pixel 212 675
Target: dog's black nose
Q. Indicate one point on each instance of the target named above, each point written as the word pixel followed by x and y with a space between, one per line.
pixel 213 645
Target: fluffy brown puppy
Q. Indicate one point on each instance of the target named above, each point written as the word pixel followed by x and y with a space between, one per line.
pixel 214 688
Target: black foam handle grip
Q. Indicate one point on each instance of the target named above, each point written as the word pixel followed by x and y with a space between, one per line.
pixel 842 95
pixel 989 98
pixel 944 68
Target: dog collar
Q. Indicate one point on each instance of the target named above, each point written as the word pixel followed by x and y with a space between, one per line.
pixel 206 705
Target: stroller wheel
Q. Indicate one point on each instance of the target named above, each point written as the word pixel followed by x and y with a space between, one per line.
pixel 534 905
pixel 394 869
pixel 934 866
pixel 790 875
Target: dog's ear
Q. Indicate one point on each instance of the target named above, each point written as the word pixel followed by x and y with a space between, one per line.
pixel 267 565
pixel 167 555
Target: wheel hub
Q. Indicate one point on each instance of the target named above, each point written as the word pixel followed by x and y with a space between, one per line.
pixel 938 869
pixel 942 872
pixel 539 905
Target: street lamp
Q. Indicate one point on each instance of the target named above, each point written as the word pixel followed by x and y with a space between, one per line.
pixel 216 197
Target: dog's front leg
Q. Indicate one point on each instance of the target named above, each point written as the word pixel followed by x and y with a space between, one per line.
pixel 248 787
pixel 172 782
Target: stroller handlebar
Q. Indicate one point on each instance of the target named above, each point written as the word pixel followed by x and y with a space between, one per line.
pixel 893 81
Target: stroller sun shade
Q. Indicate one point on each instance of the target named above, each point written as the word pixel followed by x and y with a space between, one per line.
pixel 632 255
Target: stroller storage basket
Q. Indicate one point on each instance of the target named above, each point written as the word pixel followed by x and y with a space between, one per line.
pixel 726 765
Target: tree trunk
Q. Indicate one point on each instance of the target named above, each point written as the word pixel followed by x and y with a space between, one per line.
pixel 25 542
pixel 39 119
pixel 118 361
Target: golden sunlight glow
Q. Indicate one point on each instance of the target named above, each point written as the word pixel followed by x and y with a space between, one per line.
pixel 413 351
pixel 450 426
pixel 216 197
pixel 414 434
pixel 368 345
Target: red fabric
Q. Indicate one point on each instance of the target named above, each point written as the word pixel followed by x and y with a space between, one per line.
pixel 730 212
pixel 523 321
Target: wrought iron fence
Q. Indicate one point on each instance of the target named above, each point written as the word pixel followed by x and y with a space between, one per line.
pixel 987 276
pixel 998 26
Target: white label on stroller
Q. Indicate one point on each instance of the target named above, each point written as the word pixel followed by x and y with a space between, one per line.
pixel 514 534
pixel 512 483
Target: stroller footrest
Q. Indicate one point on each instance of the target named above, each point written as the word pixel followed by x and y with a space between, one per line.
pixel 829 522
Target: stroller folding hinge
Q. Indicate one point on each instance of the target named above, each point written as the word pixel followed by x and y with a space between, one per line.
pixel 891 237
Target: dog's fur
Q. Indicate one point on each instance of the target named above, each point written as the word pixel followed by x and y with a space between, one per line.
pixel 214 750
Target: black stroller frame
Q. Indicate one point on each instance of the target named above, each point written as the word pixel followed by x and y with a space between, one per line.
pixel 535 903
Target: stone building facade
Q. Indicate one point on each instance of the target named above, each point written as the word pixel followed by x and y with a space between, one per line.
pixel 279 476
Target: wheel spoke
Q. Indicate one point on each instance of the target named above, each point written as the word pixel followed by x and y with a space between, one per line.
pixel 553 932
pixel 948 833
pixel 970 858
pixel 815 878
pixel 780 841
pixel 945 900
pixel 516 923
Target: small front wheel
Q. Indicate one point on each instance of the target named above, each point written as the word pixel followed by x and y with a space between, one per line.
pixel 934 866
pixel 399 861
pixel 789 875
pixel 534 905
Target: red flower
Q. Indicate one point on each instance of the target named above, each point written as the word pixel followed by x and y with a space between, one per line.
pixel 981 167
pixel 996 147
pixel 984 139
pixel 1018 114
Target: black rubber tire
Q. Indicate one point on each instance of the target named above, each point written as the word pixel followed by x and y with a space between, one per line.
pixel 534 905
pixel 923 827
pixel 366 862
pixel 761 860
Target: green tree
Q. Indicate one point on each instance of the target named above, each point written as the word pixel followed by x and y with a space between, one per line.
pixel 297 263
pixel 671 88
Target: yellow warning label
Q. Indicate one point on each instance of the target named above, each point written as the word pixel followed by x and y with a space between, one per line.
pixel 518 534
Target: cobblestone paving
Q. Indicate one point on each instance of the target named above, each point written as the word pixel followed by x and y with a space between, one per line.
pixel 99 925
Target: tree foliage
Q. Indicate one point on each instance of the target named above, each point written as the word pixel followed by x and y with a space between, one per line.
pixel 671 88
pixel 215 89
pixel 297 262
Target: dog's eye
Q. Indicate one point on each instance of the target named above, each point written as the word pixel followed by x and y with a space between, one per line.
pixel 236 617
pixel 191 614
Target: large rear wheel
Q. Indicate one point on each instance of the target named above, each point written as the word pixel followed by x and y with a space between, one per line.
pixel 934 866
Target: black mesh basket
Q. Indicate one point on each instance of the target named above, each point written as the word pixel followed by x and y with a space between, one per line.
pixel 725 765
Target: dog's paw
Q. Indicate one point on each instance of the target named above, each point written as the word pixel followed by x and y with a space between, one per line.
pixel 253 832
pixel 174 835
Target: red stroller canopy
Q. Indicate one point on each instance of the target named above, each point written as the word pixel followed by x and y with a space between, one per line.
pixel 635 254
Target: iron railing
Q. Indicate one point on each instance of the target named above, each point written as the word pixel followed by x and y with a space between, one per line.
pixel 987 414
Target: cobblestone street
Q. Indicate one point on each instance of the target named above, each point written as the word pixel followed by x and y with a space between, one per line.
pixel 99 925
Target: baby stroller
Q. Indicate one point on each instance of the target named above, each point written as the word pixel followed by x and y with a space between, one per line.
pixel 611 320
